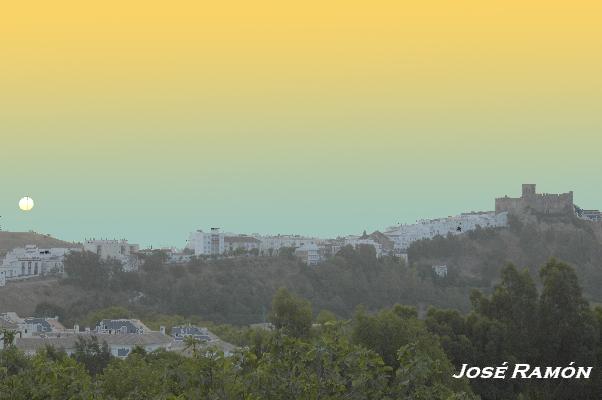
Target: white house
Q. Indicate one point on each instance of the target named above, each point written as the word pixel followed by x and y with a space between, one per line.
pixel 119 345
pixel 241 242
pixel 31 261
pixel 206 243
pixel 440 270
pixel 32 326
pixel 357 241
pixel 121 326
pixel 589 215
pixel 120 250
pixel 404 235
pixel 309 253
pixel 270 245
pixel 180 333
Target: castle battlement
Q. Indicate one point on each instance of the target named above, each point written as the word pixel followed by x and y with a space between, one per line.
pixel 545 203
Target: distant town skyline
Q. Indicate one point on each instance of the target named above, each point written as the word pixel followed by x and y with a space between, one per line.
pixel 175 233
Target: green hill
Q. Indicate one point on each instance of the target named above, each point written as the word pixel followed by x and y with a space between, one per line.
pixel 476 258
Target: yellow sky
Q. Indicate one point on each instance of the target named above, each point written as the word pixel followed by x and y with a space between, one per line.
pixel 305 97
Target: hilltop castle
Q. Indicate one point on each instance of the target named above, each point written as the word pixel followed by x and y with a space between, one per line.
pixel 543 203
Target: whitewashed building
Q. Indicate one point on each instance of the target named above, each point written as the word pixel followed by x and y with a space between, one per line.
pixel 588 215
pixel 270 245
pixel 31 261
pixel 121 326
pixel 180 333
pixel 440 270
pixel 357 241
pixel 404 235
pixel 121 335
pixel 207 243
pixel 309 253
pixel 32 326
pixel 247 243
pixel 119 345
pixel 330 247
pixel 178 258
pixel 120 250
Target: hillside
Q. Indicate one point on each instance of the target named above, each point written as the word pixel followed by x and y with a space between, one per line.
pixel 22 297
pixel 11 240
pixel 236 290
pixel 239 290
pixel 475 258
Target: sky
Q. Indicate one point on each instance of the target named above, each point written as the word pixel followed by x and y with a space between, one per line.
pixel 149 119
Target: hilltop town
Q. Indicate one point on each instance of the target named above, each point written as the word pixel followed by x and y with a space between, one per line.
pixel 209 250
pixel 31 260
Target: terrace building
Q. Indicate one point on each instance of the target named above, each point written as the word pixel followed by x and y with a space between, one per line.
pixel 120 250
pixel 271 245
pixel 406 234
pixel 121 327
pixel 358 241
pixel 31 261
pixel 241 242
pixel 309 253
pixel 180 333
pixel 119 345
pixel 207 243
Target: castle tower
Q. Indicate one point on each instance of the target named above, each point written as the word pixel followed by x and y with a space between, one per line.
pixel 528 189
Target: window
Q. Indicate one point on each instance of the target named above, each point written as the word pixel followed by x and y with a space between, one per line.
pixel 123 352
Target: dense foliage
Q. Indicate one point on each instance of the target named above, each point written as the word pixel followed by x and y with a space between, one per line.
pixel 475 258
pixel 390 354
pixel 518 324
pixel 239 290
pixel 296 361
pixel 537 316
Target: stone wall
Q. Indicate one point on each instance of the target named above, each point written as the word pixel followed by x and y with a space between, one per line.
pixel 540 203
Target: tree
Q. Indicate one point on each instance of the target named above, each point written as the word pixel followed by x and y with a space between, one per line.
pixel 291 314
pixel 386 331
pixel 42 376
pixel 421 376
pixel 287 252
pixel 191 343
pixel 567 323
pixel 514 303
pixel 135 378
pixel 328 367
pixel 8 337
pixel 325 316
pixel 454 334
pixel 49 310
pixel 94 356
pixel 568 328
pixel 154 262
pixel 87 270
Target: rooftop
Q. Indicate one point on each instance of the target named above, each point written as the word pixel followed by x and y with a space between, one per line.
pixel 67 341
pixel 241 239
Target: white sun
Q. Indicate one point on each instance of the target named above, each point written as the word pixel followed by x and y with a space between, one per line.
pixel 26 203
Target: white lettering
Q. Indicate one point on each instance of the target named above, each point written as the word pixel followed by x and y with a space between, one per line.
pixel 521 369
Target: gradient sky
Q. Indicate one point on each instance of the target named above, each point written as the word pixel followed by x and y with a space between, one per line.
pixel 149 119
